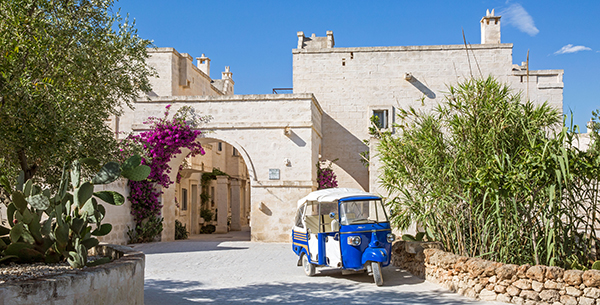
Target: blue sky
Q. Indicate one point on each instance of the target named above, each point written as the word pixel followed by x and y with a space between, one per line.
pixel 256 38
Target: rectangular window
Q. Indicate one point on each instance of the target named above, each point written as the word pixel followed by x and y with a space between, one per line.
pixel 235 152
pixel 212 196
pixel 381 118
pixel 220 146
pixel 184 199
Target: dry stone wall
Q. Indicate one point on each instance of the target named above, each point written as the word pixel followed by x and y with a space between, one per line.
pixel 493 281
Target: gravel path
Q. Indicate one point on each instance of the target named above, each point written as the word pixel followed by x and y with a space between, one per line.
pixel 228 269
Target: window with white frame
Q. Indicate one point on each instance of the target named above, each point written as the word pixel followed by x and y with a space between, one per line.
pixel 383 117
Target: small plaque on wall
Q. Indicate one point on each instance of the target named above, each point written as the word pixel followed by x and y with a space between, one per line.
pixel 273 174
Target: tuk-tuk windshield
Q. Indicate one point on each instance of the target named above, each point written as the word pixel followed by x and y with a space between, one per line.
pixel 362 211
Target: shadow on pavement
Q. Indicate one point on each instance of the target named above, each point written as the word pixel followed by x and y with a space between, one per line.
pixel 184 246
pixel 174 292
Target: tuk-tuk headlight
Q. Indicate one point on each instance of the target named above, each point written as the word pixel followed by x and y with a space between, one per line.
pixel 354 240
pixel 391 237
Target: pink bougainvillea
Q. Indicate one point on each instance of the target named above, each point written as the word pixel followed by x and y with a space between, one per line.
pixel 164 140
pixel 326 178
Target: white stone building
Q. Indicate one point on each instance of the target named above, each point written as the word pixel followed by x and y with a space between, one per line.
pixel 270 144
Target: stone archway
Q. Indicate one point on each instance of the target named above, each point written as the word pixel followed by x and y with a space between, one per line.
pixel 278 138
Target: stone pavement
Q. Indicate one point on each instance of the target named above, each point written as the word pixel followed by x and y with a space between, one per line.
pixel 229 269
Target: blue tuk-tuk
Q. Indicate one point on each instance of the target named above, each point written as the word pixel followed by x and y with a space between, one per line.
pixel 342 228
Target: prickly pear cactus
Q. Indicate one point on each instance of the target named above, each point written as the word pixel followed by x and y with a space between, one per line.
pixel 74 219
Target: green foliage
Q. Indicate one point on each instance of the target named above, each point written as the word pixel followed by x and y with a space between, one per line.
pixel 180 230
pixel 66 231
pixel 206 214
pixel 209 229
pixel 419 237
pixel 66 67
pixel 148 231
pixel 491 176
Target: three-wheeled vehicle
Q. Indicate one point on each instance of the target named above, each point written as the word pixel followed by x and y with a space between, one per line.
pixel 342 228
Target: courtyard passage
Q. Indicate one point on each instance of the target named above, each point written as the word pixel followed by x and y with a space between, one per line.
pixel 229 269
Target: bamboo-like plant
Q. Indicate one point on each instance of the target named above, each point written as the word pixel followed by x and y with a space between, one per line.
pixel 490 175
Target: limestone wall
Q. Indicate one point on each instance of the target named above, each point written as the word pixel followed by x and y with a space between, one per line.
pixel 118 216
pixel 270 132
pixel 350 83
pixel 492 281
pixel 177 75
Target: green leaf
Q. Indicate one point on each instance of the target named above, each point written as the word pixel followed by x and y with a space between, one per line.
pixel 139 173
pixel 596 265
pixel 61 234
pixel 99 261
pixel 108 173
pixel 75 260
pixel 408 237
pixel 5 183
pixel 88 208
pixel 10 212
pixel 102 230
pixel 39 201
pixel 19 201
pixel 27 188
pixel 47 226
pixel 77 225
pixel 75 173
pixel 84 193
pixel 20 181
pixel 111 197
pixel 131 163
pixel 90 243
pixel 16 232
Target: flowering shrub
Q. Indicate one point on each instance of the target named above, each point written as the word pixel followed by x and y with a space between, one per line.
pixel 326 178
pixel 163 141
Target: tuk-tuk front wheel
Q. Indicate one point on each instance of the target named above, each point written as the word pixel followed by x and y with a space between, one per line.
pixel 376 269
pixel 309 268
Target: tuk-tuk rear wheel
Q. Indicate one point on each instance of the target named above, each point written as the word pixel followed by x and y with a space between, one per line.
pixel 309 268
pixel 376 268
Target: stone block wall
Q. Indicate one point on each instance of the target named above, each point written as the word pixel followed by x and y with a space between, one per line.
pixel 118 282
pixel 493 281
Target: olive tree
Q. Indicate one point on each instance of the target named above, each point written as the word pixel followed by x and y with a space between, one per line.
pixel 66 67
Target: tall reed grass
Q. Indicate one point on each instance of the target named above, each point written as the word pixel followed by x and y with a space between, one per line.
pixel 490 175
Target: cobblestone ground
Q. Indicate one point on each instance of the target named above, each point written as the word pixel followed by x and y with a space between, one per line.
pixel 228 269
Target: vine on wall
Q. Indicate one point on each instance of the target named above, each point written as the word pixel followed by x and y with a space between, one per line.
pixel 164 140
pixel 326 178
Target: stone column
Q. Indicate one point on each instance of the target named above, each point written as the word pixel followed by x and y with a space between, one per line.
pixel 235 205
pixel 222 204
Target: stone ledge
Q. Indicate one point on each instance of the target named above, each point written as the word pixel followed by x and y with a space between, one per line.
pixel 118 282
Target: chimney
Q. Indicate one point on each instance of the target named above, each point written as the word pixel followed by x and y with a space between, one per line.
pixel 300 40
pixel 490 28
pixel 203 63
pixel 227 76
pixel 330 41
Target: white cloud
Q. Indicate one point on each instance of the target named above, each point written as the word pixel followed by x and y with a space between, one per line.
pixel 572 49
pixel 518 17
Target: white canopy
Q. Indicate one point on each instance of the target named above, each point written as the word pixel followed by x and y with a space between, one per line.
pixel 333 194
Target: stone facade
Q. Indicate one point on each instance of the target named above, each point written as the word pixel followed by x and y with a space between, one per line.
pixel 352 84
pixel 281 137
pixel 270 132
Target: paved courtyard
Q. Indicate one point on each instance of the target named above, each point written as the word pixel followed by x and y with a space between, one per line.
pixel 229 269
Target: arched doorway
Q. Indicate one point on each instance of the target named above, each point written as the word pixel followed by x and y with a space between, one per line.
pixel 212 191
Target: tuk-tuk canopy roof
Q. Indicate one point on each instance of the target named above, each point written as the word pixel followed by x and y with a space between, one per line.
pixel 333 194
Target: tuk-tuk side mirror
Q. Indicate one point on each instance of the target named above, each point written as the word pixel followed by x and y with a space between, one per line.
pixel 332 215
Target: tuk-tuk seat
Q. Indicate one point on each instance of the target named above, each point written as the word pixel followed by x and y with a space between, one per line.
pixel 312 223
